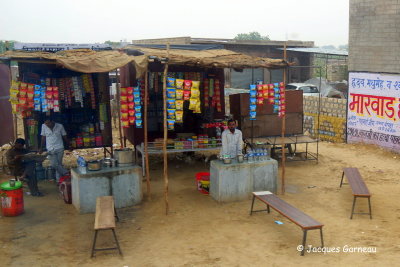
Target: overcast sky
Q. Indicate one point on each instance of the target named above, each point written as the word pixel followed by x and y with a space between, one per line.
pixel 87 21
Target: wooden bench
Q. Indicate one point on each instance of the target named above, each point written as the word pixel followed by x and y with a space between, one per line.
pixel 358 187
pixel 293 214
pixel 105 220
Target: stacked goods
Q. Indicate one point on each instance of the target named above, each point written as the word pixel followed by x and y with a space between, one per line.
pixel 274 93
pixel 206 93
pixel 89 88
pixel 212 88
pixel 131 106
pixel 171 103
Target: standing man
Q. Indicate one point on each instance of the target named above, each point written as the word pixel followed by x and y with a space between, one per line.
pixel 25 169
pixel 53 134
pixel 232 141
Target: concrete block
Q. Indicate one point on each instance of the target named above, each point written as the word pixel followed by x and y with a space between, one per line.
pixel 124 183
pixel 236 181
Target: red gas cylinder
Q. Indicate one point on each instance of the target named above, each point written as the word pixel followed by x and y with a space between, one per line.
pixel 12 199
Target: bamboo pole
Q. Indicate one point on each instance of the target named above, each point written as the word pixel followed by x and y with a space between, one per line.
pixel 146 89
pixel 283 129
pixel 118 92
pixel 165 133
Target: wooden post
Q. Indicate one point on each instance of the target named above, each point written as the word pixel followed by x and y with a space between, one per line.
pixel 283 130
pixel 146 89
pixel 165 133
pixel 118 94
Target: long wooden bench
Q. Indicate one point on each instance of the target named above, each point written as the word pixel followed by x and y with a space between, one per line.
pixel 105 220
pixel 305 222
pixel 358 187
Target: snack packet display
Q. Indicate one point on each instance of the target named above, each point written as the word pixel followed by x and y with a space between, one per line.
pixel 253 115
pixel 171 114
pixel 253 101
pixel 171 93
pixel 171 104
pixel 260 100
pixel 192 103
pixel 196 85
pixel 136 101
pixel 187 85
pixel 253 93
pixel 179 104
pixel 179 94
pixel 186 95
pixel 138 109
pixel 138 116
pixel 194 93
pixel 171 124
pixel 198 107
pixel 179 116
pixel 253 107
pixel 170 82
pixel 138 123
pixel 179 83
pixel 136 94
pixel 253 87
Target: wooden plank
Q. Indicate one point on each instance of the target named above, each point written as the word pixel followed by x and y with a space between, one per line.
pixel 293 214
pixel 104 218
pixel 356 182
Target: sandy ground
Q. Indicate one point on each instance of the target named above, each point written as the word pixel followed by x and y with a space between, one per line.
pixel 200 232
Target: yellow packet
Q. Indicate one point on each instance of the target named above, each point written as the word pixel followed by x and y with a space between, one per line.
pixel 179 104
pixel 196 85
pixel 194 93
pixel 193 102
pixel 179 94
pixel 179 116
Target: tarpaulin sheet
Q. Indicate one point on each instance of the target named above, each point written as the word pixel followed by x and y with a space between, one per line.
pixel 6 119
pixel 213 58
pixel 84 60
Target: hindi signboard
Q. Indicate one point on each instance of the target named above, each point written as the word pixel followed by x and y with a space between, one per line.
pixel 373 111
pixel 50 47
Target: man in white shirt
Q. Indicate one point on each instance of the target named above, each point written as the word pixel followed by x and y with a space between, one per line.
pixel 232 141
pixel 53 134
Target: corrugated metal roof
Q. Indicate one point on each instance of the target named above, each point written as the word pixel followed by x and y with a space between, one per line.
pixel 317 50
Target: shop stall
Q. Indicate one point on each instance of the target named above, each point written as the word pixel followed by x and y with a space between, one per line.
pixel 183 97
pixel 72 88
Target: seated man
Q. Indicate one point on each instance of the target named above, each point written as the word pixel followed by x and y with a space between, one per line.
pixel 23 168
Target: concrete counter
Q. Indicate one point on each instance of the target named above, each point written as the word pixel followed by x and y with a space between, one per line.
pixel 124 183
pixel 236 181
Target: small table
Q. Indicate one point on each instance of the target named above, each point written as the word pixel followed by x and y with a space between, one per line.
pixel 236 181
pixel 124 183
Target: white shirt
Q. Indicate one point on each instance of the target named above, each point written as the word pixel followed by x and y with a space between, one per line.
pixel 232 143
pixel 54 139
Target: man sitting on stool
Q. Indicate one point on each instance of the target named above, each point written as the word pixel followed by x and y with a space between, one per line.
pixel 232 141
pixel 23 168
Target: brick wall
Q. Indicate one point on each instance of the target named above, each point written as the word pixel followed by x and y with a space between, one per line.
pixel 374 36
pixel 332 119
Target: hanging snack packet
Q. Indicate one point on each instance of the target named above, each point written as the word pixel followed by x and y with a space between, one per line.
pixel 170 124
pixel 132 120
pixel 186 95
pixel 130 98
pixel 179 104
pixel 136 94
pixel 137 101
pixel 253 93
pixel 49 95
pixel 170 82
pixel 138 123
pixel 171 92
pixel 138 109
pixel 259 87
pixel 253 115
pixel 253 87
pixel 192 103
pixel 179 94
pixel 136 89
pixel 131 112
pixel 196 85
pixel 179 116
pixel 37 107
pixel 253 107
pixel 129 90
pixel 260 94
pixel 179 83
pixel 187 85
pixel 260 100
pixel 277 96
pixel 138 116
pixel 265 94
pixel 198 107
pixel 171 104
pixel 171 114
pixel 195 93
pixel 253 100
pixel 276 108
pixel 45 108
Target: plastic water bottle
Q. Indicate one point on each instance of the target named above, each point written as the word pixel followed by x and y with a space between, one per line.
pixel 81 162
pixel 250 156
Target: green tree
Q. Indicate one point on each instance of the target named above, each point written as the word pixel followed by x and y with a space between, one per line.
pixel 6 45
pixel 251 36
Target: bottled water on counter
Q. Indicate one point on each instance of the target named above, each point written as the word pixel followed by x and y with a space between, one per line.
pixel 250 156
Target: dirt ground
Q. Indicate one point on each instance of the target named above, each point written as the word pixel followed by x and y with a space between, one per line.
pixel 201 232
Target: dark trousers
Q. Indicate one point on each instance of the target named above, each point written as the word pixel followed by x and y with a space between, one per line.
pixel 30 176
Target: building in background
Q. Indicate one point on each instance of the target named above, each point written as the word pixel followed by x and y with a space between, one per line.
pixel 269 49
pixel 374 73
